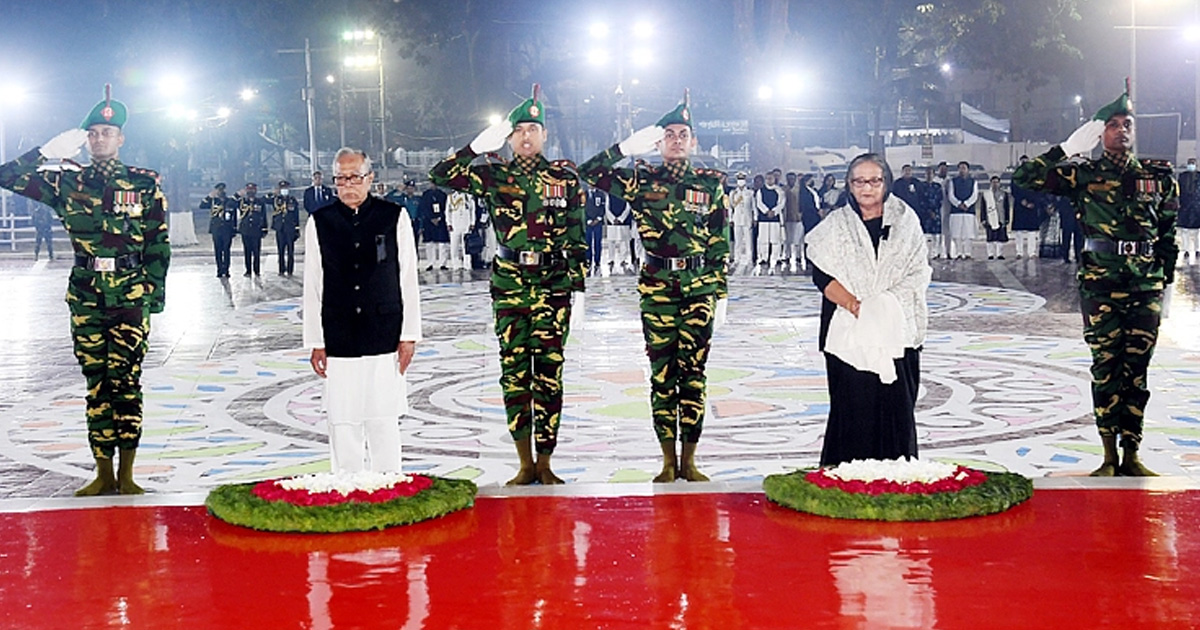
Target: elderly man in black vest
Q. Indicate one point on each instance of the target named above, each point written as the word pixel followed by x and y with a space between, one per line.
pixel 362 316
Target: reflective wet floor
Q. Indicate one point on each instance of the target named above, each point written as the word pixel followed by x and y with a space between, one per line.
pixel 230 398
pixel 1066 559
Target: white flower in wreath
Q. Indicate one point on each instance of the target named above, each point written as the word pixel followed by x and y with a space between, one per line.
pixel 897 470
pixel 344 484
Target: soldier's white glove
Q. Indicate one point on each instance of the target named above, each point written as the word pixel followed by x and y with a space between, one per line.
pixel 65 145
pixel 642 141
pixel 577 310
pixel 1083 139
pixel 720 314
pixel 492 138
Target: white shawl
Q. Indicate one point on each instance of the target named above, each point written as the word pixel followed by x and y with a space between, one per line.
pixel 841 247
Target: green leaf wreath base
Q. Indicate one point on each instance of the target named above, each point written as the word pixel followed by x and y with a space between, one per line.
pixel 1000 492
pixel 237 504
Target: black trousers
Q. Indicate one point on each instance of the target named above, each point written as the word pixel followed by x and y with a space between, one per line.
pixel 222 244
pixel 253 253
pixel 286 246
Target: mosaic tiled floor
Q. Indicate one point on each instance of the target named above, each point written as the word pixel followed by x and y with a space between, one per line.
pixel 991 398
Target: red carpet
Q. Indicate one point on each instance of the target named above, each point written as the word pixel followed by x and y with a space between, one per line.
pixel 1066 559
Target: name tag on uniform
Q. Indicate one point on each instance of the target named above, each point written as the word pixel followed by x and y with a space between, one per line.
pixel 127 202
pixel 510 190
pixel 554 195
pixel 655 196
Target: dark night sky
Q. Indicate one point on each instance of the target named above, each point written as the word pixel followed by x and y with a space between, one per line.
pixel 64 51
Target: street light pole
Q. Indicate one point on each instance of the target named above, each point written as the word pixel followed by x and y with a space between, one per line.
pixel 382 115
pixel 312 117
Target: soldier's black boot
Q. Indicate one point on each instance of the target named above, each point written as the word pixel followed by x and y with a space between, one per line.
pixel 104 483
pixel 1109 467
pixel 544 474
pixel 687 463
pixel 670 465
pixel 1131 466
pixel 125 482
pixel 528 472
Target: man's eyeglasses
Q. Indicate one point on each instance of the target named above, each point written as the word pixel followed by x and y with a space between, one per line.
pixel 350 180
pixel 863 182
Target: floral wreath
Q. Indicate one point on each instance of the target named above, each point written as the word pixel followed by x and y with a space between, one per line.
pixel 329 503
pixel 898 490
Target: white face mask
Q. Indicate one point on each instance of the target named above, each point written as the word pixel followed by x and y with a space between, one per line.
pixel 1191 167
pixel 741 183
pixel 284 191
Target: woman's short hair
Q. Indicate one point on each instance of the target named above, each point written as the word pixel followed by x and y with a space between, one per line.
pixel 874 158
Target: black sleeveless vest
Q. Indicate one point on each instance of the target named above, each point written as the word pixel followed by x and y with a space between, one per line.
pixel 361 308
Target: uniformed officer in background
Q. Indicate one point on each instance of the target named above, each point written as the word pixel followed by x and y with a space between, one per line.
pixel 222 225
pixel 681 214
pixel 252 225
pixel 115 216
pixel 285 220
pixel 1126 210
pixel 537 213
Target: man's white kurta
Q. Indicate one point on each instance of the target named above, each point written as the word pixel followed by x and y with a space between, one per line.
pixel 364 396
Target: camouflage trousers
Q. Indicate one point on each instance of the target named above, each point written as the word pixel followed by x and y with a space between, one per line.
pixel 532 333
pixel 1121 329
pixel 677 332
pixel 110 344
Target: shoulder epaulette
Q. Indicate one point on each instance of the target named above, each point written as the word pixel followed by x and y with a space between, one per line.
pixel 495 158
pixel 564 164
pixel 1158 167
pixel 143 172
pixel 711 172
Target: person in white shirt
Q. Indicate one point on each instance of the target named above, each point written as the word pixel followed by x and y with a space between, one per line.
pixel 769 203
pixel 741 205
pixel 460 215
pixel 362 316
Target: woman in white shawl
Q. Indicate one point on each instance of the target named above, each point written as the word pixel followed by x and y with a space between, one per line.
pixel 870 263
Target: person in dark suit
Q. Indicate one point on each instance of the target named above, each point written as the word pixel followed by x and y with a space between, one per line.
pixel 252 226
pixel 318 195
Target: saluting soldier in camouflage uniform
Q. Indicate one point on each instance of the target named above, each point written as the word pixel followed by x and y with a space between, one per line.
pixel 536 208
pixel 681 217
pixel 1126 209
pixel 115 216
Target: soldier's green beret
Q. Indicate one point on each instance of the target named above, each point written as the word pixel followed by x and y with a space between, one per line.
pixel 1120 106
pixel 681 115
pixel 531 110
pixel 106 112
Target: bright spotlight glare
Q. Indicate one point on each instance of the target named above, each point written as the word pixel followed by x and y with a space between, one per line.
pixel 946 67
pixel 791 84
pixel 765 92
pixel 176 111
pixel 171 86
pixel 247 94
pixel 494 119
pixel 1192 33
pixel 598 29
pixel 329 78
pixel 224 112
pixel 13 93
pixel 1078 99
pixel 598 57
pixel 643 29
pixel 642 57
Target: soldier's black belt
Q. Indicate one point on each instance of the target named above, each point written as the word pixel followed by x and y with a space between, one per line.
pixel 1124 248
pixel 109 263
pixel 685 263
pixel 527 258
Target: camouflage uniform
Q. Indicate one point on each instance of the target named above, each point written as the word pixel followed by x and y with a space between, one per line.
pixel 1126 210
pixel 537 212
pixel 681 216
pixel 115 216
